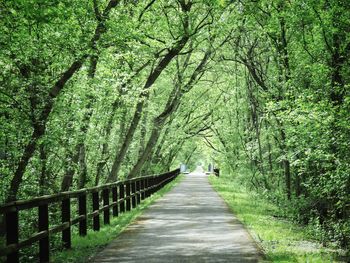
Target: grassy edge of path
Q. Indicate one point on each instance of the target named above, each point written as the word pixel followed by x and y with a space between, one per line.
pixel 84 248
pixel 281 240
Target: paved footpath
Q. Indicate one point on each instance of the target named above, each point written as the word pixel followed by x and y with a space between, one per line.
pixel 191 223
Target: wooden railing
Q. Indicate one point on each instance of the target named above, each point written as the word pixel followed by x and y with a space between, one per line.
pixel 115 197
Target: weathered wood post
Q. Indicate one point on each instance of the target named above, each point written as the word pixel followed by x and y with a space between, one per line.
pixel 158 183
pixel 155 183
pixel 133 191
pixel 66 233
pixel 138 189
pixel 147 185
pixel 95 208
pixel 82 212
pixel 12 234
pixel 106 212
pixel 143 186
pixel 128 201
pixel 152 184
pixel 44 245
pixel 162 180
pixel 115 200
pixel 122 198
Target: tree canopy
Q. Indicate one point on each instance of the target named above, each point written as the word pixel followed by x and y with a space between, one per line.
pixel 94 91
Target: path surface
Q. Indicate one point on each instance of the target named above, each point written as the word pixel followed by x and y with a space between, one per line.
pixel 191 223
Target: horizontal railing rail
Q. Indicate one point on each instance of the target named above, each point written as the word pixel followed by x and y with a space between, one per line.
pixel 117 198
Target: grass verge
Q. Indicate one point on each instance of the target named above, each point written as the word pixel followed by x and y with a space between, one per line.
pixel 84 248
pixel 280 239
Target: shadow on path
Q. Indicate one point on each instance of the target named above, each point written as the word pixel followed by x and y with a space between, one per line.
pixel 191 223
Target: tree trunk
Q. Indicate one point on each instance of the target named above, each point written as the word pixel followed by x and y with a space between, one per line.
pixel 71 161
pixel 286 165
pixel 40 128
pixel 81 145
pixel 152 141
pixel 104 154
pixel 157 157
pixel 269 149
pixel 43 173
pixel 143 133
pixel 26 156
pixel 82 166
pixel 171 106
pixel 119 157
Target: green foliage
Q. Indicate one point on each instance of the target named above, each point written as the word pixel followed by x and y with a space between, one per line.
pixel 258 86
pixel 281 240
pixel 284 115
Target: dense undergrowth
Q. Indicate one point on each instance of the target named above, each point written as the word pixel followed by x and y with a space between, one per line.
pixel 281 239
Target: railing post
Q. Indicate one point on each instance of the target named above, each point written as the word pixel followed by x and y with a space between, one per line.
pixel 165 180
pixel 138 189
pixel 162 181
pixel 143 186
pixel 106 213
pixel 128 201
pixel 66 234
pixel 133 191
pixel 122 198
pixel 95 207
pixel 115 200
pixel 151 184
pixel 82 212
pixel 156 183
pixel 44 244
pixel 146 188
pixel 12 234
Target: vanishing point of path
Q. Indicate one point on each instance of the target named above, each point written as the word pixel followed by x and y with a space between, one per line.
pixel 191 223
